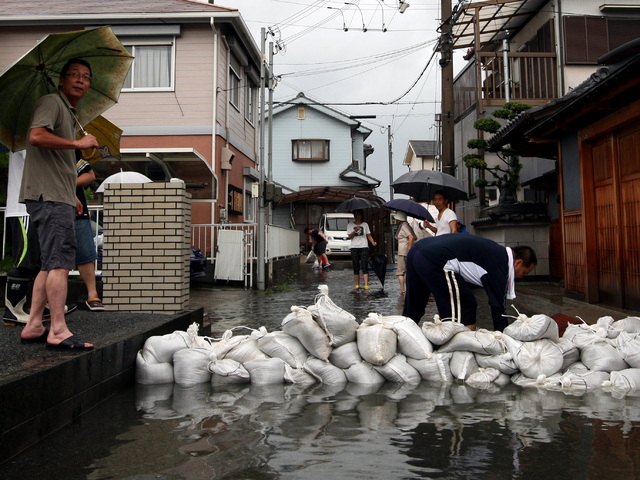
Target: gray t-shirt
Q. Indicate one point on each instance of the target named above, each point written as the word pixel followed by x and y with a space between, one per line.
pixel 51 174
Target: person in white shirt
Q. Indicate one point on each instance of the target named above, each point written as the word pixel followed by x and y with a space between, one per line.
pixel 446 221
pixel 359 233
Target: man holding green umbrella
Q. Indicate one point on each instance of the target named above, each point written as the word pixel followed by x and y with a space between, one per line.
pixel 48 190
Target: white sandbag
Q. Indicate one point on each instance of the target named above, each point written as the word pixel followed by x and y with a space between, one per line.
pixel 285 347
pixel 339 325
pixel 436 368
pixel 502 362
pixel 195 341
pixel 152 373
pixel 624 381
pixel 377 341
pixel 227 371
pixel 363 373
pixel 628 346
pixel 577 368
pixel 160 348
pixel 583 335
pixel 399 371
pixel 629 325
pixel 527 329
pixel 540 357
pixel 479 341
pixel 411 341
pixel 190 366
pixel 483 378
pixel 227 342
pixel 463 364
pixel 265 371
pixel 602 357
pixel 297 376
pixel 503 379
pixel 300 324
pixel 583 382
pixel 324 372
pixel 248 349
pixel 540 381
pixel 570 353
pixel 439 332
pixel 345 356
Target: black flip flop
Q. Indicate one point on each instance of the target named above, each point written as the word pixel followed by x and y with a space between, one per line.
pixel 72 343
pixel 41 339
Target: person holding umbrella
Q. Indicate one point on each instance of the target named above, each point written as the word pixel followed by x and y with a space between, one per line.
pixel 445 266
pixel 446 221
pixel 49 192
pixel 359 233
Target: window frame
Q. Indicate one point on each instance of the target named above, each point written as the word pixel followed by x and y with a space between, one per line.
pixel 295 150
pixel 249 214
pixel 234 92
pixel 250 100
pixel 172 63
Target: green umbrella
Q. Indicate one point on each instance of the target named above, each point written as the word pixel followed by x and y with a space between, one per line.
pixel 37 74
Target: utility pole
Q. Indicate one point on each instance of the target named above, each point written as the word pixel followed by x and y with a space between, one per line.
pixel 390 163
pixel 446 62
pixel 270 154
pixel 260 234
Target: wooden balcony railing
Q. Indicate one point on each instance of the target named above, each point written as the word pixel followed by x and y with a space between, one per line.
pixel 532 77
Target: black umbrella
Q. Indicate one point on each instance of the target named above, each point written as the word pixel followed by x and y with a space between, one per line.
pixel 409 207
pixel 356 203
pixel 423 184
pixel 378 264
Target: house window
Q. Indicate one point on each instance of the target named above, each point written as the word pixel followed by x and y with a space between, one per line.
pixel 250 101
pixel 310 150
pixel 249 201
pixel 234 81
pixel 301 113
pixel 589 37
pixel 152 68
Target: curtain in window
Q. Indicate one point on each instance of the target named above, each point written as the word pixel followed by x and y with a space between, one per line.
pixel 304 149
pixel 153 66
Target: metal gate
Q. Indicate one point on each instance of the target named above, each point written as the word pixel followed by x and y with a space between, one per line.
pixel 230 256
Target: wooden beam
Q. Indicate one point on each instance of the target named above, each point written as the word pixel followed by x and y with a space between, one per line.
pixel 613 121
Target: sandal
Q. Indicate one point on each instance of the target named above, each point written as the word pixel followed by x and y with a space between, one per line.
pixel 95 305
pixel 69 343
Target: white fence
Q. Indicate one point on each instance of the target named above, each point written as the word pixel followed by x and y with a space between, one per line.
pixel 282 242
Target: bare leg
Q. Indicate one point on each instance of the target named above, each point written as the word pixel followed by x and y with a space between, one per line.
pixel 401 281
pixel 366 279
pixel 88 274
pixel 34 327
pixel 357 279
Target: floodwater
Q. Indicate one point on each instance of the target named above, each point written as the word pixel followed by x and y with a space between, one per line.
pixel 283 431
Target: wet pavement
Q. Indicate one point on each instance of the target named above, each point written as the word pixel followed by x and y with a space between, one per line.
pixel 391 431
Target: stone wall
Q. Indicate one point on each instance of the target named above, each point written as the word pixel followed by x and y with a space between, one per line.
pixel 147 238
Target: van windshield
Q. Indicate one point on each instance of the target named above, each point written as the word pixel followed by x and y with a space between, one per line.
pixel 337 224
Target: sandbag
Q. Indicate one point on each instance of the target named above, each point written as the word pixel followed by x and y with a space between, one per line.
pixel 300 324
pixel 152 373
pixel 399 371
pixel 540 357
pixel 463 364
pixel 624 381
pixel 324 372
pixel 503 379
pixel 339 325
pixel 583 335
pixel 629 348
pixel 265 371
pixel 502 362
pixel 160 348
pixel 478 341
pixel 483 378
pixel 345 356
pixel 570 353
pixel 285 347
pixel 227 342
pixel 628 325
pixel 602 357
pixel 227 371
pixel 540 381
pixel 248 349
pixel 411 341
pixel 190 366
pixel 583 382
pixel 439 332
pixel 377 341
pixel 297 376
pixel 436 368
pixel 527 329
pixel 363 373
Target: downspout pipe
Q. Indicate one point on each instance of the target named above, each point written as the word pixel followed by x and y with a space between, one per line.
pixel 225 200
pixel 214 118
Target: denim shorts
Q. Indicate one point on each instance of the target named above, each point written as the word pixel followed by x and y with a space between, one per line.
pixel 56 224
pixel 86 251
pixel 360 259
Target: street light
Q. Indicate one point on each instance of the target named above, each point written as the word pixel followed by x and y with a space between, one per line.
pixel 364 28
pixel 344 25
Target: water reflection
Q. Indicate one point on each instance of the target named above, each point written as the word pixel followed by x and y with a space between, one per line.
pixel 402 431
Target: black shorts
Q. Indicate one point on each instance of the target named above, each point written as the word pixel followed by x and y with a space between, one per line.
pixel 320 248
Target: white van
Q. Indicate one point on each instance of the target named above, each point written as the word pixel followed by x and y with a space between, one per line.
pixel 334 227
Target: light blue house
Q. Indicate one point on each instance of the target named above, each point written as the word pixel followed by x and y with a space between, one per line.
pixel 319 158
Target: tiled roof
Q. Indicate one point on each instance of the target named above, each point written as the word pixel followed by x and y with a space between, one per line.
pixel 9 8
pixel 424 148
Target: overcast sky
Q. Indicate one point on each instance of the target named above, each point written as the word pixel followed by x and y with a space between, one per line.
pixel 382 65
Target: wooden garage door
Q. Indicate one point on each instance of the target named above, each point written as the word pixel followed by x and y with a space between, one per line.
pixel 629 166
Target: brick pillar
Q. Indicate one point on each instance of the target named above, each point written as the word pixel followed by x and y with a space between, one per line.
pixel 147 239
